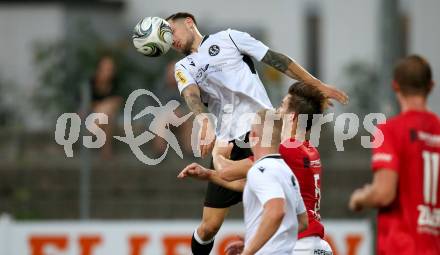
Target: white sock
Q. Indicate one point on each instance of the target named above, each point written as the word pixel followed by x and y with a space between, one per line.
pixel 199 240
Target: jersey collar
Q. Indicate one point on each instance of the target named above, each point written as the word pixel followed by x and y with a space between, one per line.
pixel 275 156
pixel 203 40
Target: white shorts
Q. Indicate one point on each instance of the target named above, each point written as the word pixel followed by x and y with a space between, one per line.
pixel 312 245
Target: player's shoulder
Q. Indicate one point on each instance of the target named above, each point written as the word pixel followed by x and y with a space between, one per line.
pixel 269 164
pixel 393 122
pixel 403 119
pixel 292 149
pixel 222 35
pixel 183 63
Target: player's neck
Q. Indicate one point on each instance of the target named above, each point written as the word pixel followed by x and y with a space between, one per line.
pixel 197 40
pixel 260 152
pixel 412 103
pixel 297 133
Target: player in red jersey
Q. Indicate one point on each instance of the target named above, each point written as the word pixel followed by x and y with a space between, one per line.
pixel 302 158
pixel 405 185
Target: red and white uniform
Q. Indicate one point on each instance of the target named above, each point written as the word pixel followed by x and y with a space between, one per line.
pixel 304 161
pixel 411 148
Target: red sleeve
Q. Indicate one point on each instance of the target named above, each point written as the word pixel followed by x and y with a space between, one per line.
pixel 385 155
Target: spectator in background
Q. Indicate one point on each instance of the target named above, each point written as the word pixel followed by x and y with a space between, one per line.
pixel 105 98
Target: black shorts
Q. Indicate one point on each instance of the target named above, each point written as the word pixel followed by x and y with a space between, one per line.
pixel 219 197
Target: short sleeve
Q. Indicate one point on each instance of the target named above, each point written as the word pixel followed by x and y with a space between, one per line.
pixel 385 155
pixel 248 45
pixel 264 185
pixel 183 77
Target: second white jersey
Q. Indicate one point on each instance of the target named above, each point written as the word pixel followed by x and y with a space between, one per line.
pixel 270 178
pixel 227 79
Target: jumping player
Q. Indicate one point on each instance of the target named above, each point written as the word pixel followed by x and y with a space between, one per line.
pixel 406 182
pixel 302 158
pixel 218 71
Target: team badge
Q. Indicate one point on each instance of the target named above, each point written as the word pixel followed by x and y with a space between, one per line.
pixel 180 77
pixel 214 50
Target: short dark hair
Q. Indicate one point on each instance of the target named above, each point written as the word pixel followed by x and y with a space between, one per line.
pixel 181 15
pixel 271 116
pixel 414 76
pixel 305 99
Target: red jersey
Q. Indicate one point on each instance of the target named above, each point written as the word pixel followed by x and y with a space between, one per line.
pixel 411 147
pixel 305 163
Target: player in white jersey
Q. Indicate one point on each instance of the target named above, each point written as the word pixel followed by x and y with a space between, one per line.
pixel 274 211
pixel 218 71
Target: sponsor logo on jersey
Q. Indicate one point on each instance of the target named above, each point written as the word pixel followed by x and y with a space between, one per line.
pixel 214 50
pixel 180 77
pixel 315 163
pixel 321 252
pixel 382 157
pixel 428 220
pixel 201 71
pixel 430 139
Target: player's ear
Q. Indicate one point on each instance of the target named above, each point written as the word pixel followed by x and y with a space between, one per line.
pixel 395 86
pixel 189 22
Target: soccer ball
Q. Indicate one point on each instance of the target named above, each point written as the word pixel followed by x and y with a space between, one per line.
pixel 152 36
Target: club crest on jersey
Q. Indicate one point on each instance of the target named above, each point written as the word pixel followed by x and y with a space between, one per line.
pixel 261 169
pixel 214 50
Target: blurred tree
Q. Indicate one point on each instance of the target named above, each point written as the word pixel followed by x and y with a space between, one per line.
pixel 64 65
pixel 6 109
pixel 363 81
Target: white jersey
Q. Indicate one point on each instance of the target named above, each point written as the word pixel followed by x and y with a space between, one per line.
pixel 312 245
pixel 269 178
pixel 227 79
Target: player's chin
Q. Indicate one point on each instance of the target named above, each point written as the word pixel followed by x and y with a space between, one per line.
pixel 176 49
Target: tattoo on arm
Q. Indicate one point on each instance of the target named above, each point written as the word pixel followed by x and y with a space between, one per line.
pixel 280 62
pixel 277 60
pixel 194 103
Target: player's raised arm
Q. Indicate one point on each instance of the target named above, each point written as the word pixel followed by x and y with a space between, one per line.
pixel 295 71
pixel 229 170
pixel 197 171
pixel 248 45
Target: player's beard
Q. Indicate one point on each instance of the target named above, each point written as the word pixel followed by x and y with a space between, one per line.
pixel 186 49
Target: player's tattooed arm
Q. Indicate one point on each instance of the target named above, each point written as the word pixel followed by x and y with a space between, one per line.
pixel 191 94
pixel 295 71
pixel 277 60
pixel 287 66
pixel 207 134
